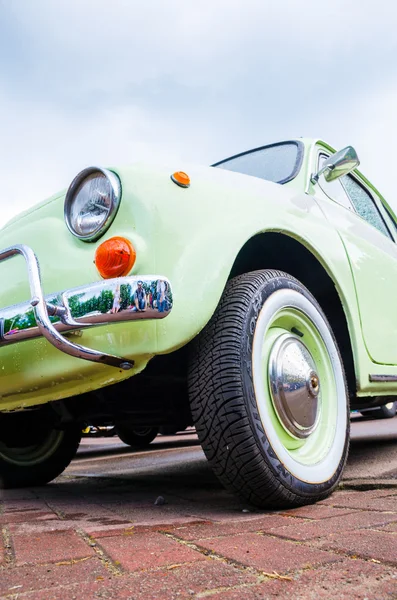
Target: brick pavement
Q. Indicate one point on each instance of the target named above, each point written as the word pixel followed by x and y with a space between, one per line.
pixel 78 538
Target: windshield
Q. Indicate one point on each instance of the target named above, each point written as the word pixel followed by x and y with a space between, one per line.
pixel 278 163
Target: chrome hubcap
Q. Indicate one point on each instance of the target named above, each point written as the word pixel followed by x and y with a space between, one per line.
pixel 294 385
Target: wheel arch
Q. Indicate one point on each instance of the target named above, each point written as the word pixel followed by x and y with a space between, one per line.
pixel 283 252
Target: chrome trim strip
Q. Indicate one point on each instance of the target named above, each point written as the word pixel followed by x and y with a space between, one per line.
pixel 383 378
pixel 100 303
pixel 115 201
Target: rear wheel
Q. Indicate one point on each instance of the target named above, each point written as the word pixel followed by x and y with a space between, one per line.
pixel 268 393
pixel 41 460
pixel 136 436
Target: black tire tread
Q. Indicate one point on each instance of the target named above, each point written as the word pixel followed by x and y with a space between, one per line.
pixel 223 424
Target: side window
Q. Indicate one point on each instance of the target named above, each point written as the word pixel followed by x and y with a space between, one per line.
pixel 364 204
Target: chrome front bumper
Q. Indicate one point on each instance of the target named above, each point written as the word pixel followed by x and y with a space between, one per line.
pixel 101 303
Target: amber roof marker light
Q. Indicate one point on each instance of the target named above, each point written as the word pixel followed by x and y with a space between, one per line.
pixel 115 257
pixel 180 178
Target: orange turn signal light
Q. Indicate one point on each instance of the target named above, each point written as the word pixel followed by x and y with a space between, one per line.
pixel 115 257
pixel 181 178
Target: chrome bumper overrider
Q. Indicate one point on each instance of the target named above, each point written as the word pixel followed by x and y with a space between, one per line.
pixel 108 301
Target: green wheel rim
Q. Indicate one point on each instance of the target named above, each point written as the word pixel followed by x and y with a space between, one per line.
pixel 315 447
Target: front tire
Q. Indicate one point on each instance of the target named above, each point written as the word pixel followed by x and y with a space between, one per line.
pixel 40 461
pixel 268 393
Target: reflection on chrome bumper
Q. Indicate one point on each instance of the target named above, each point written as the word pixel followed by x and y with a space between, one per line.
pixel 102 303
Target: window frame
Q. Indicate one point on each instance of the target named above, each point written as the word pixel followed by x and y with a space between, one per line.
pixel 391 219
pixel 298 162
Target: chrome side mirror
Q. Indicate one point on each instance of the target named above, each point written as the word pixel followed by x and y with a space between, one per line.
pixel 339 164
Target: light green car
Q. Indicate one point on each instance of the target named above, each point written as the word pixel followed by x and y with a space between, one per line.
pixel 254 298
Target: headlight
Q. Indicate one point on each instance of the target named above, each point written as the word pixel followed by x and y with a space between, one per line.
pixel 91 203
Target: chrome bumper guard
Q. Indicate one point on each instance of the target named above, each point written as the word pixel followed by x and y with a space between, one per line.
pixel 101 303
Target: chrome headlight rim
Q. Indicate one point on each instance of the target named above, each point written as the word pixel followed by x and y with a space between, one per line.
pixel 115 200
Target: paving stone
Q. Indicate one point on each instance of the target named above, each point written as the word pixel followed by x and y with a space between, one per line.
pixel 369 590
pixel 145 551
pixel 22 517
pixel 388 527
pixel 252 592
pixel 363 500
pixel 19 580
pixel 220 499
pixel 152 515
pixel 383 493
pixel 49 547
pixel 388 503
pixel 37 527
pixel 336 496
pixel 73 591
pixel 24 505
pixel 206 575
pixel 109 531
pixel 126 501
pixel 317 511
pixel 159 517
pixel 267 553
pixel 345 580
pixel 369 544
pixel 17 494
pixel 74 510
pixel 213 530
pixel 181 582
pixel 219 514
pixel 314 529
pixel 125 525
pixel 219 508
pixel 53 491
pixel 386 590
pixel 93 528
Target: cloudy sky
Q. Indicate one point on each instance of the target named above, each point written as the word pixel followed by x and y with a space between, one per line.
pixel 111 81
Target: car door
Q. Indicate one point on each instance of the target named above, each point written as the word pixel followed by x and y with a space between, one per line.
pixel 368 236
